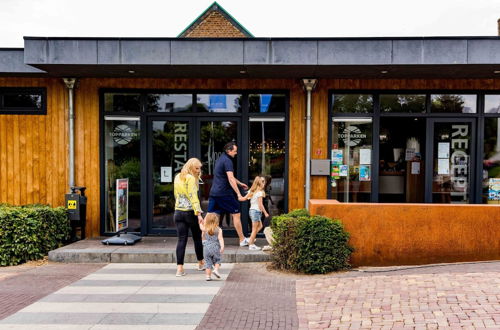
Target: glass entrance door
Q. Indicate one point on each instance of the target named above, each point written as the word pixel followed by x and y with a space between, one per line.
pixel 169 146
pixel 171 142
pixel 213 135
pixel 451 171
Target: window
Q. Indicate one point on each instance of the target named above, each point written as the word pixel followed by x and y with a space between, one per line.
pixel 492 104
pixel 266 103
pixel 453 103
pixel 352 103
pixel 169 102
pixel 224 103
pixel 413 103
pixel 23 101
pixel 122 102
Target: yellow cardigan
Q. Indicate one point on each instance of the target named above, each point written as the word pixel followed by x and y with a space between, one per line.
pixel 186 194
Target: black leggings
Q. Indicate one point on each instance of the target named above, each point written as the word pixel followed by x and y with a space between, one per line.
pixel 185 220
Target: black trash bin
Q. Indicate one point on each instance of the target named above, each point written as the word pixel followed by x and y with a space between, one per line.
pixel 76 205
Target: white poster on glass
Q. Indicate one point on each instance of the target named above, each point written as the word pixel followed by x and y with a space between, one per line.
pixel 444 166
pixel 443 150
pixel 365 156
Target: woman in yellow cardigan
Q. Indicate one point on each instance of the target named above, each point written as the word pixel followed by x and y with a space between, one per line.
pixel 188 211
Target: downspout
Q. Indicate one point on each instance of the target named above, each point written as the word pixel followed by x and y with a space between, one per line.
pixel 70 84
pixel 309 85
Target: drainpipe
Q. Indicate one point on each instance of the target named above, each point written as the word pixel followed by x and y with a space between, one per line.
pixel 70 84
pixel 309 85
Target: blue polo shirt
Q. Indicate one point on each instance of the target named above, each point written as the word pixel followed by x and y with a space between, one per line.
pixel 220 183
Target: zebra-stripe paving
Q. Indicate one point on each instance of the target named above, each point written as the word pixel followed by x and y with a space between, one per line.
pixel 124 296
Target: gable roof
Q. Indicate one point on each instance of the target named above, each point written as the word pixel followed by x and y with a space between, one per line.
pixel 215 22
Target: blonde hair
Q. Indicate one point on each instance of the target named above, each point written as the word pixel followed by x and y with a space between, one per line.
pixel 211 223
pixel 258 184
pixel 188 168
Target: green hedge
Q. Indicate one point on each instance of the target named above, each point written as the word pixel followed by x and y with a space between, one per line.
pixel 309 244
pixel 30 232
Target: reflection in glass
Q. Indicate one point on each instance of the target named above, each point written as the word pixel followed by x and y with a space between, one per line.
pixel 351 159
pixel 24 101
pixel 267 158
pixel 265 103
pixel 170 153
pixel 169 102
pixel 491 161
pixel 218 102
pixel 452 103
pixel 492 103
pixel 214 135
pixel 122 160
pixel 352 103
pixel 401 164
pixel 452 153
pixel 402 103
pixel 122 102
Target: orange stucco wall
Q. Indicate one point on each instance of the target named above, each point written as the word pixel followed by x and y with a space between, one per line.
pixel 408 234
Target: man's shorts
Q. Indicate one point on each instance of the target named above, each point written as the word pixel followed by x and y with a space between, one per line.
pixel 223 204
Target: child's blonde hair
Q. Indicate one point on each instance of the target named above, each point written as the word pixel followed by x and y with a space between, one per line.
pixel 211 223
pixel 188 168
pixel 258 185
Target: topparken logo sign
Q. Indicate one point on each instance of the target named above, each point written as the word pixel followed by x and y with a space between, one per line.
pixel 352 136
pixel 123 134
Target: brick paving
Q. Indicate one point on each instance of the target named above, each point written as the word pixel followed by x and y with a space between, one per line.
pixel 253 298
pixel 22 285
pixel 445 297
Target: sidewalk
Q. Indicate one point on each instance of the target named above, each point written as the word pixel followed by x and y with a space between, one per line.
pixel 148 250
pixel 149 296
pixel 123 296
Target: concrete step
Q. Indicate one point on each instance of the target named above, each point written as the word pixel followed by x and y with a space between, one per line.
pixel 149 250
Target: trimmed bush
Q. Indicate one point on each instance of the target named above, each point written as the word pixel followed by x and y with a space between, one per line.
pixel 309 244
pixel 30 232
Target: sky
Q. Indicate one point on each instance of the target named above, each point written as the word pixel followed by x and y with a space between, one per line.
pixel 263 18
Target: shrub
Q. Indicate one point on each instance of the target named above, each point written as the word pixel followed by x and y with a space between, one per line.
pixel 311 245
pixel 30 232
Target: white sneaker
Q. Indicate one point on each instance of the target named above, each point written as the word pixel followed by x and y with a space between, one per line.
pixel 244 242
pixel 216 273
pixel 254 247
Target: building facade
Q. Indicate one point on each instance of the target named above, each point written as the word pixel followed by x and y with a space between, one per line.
pixel 405 120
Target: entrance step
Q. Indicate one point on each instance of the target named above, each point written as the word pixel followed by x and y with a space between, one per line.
pixel 149 250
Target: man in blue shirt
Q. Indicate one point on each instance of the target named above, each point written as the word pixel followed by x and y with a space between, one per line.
pixel 224 189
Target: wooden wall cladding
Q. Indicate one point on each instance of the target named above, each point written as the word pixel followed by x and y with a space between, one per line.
pixel 33 149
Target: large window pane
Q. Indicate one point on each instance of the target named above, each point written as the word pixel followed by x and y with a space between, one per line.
pixel 402 103
pixel 122 102
pixel 169 102
pixel 170 141
pixel 491 161
pixel 453 103
pixel 214 135
pixel 122 161
pixel 23 101
pixel 265 103
pixel 352 103
pixel 351 159
pixel 492 103
pixel 401 163
pixel 267 158
pixel 452 175
pixel 218 102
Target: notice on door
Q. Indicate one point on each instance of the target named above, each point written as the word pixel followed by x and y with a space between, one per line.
pixel 165 174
